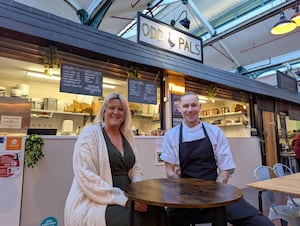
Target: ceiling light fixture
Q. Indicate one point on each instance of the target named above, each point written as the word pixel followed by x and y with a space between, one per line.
pixel 184 22
pixel 296 17
pixel 283 26
pixel 109 86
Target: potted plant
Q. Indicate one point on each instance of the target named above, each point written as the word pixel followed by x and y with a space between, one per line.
pixel 33 150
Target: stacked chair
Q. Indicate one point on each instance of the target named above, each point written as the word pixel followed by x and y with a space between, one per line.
pixel 286 213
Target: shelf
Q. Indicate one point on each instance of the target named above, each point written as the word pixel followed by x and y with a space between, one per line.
pixel 230 124
pixel 222 115
pixel 143 115
pixel 153 117
pixel 38 113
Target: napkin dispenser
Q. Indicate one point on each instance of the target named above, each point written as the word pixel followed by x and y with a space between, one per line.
pixel 67 126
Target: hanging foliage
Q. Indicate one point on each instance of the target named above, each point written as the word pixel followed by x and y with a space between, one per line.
pixel 132 72
pixel 51 60
pixel 212 91
pixel 33 150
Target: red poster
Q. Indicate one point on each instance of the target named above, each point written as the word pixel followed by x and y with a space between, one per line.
pixel 9 165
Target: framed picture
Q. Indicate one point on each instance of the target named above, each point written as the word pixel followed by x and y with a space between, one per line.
pixel 175 104
pixel 176 121
pixel 176 115
pixel 159 161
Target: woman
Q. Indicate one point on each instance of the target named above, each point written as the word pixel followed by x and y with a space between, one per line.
pixel 104 163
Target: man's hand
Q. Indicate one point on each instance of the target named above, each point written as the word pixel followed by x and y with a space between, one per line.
pixel 223 176
pixel 172 170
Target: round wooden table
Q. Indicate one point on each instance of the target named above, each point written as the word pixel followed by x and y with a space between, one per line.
pixel 184 193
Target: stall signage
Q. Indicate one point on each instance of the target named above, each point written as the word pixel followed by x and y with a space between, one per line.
pixel 49 221
pixel 80 80
pixel 176 88
pixel 10 166
pixel 142 92
pixel 158 34
pixel 10 122
pixel 14 143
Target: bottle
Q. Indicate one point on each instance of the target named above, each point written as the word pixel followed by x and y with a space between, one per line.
pixel 78 130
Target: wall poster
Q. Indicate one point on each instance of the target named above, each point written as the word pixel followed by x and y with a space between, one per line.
pixel 176 115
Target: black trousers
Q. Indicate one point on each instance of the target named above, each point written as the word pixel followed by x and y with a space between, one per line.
pixel 298 163
pixel 238 214
pixel 119 216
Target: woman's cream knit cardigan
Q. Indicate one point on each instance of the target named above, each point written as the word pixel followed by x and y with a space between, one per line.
pixel 92 188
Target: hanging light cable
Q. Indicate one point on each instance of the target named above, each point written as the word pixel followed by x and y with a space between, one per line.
pixel 283 26
pixel 296 17
pixel 184 22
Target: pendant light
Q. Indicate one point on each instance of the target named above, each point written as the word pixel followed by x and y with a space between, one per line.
pixel 296 17
pixel 184 22
pixel 283 26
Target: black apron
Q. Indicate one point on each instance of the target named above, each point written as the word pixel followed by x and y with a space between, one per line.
pixel 197 158
pixel 197 161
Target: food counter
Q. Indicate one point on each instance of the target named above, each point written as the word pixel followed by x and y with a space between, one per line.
pixel 46 186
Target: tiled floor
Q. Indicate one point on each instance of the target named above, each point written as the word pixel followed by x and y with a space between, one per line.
pixel 250 194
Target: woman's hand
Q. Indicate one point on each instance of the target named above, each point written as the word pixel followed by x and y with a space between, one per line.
pixel 140 207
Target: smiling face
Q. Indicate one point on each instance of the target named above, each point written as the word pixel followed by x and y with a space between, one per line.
pixel 114 114
pixel 190 109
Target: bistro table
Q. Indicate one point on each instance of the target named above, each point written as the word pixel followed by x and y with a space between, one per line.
pixel 184 193
pixel 288 158
pixel 288 184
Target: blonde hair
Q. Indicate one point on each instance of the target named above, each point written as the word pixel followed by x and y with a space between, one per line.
pixel 125 127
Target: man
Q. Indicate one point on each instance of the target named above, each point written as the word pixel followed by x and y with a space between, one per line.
pixel 196 149
pixel 296 149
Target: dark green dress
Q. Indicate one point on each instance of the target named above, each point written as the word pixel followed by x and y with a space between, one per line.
pixel 120 165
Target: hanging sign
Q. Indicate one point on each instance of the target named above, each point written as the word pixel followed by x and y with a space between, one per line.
pixel 79 80
pixel 158 34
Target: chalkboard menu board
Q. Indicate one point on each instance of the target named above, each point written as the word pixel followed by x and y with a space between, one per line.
pixel 283 126
pixel 80 80
pixel 142 92
pixel 286 82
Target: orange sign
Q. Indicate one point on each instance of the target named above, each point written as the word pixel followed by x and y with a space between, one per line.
pixel 14 144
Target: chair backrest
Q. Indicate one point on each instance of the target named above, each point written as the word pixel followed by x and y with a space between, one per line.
pixel 281 170
pixel 262 173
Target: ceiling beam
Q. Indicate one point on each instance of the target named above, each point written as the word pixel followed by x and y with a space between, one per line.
pixel 210 29
pixel 93 6
pixel 74 4
pixel 257 19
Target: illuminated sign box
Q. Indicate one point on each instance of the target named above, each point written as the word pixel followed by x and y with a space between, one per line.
pixel 158 34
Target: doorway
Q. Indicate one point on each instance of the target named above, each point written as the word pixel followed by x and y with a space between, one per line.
pixel 270 138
